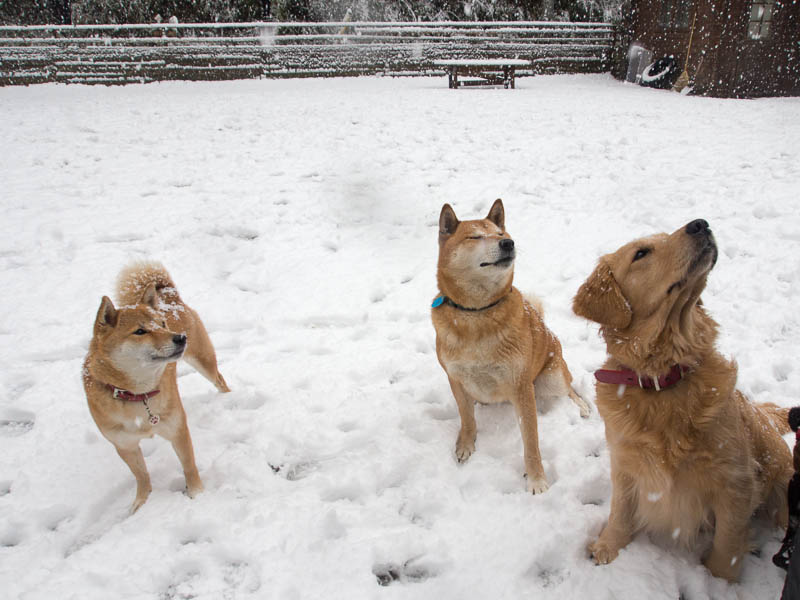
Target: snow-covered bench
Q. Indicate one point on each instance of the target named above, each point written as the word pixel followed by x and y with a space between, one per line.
pixel 496 71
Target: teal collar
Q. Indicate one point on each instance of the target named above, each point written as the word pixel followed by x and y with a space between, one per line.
pixel 445 300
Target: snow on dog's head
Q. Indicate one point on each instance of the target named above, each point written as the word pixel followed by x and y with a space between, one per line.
pixel 135 340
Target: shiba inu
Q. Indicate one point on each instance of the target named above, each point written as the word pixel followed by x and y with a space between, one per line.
pixel 129 372
pixel 688 451
pixel 491 341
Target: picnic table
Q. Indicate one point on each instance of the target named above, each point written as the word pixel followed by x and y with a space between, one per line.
pixel 493 71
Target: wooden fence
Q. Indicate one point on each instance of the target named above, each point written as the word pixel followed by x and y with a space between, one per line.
pixel 119 54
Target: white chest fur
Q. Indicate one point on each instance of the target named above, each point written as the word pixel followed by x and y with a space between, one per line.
pixel 484 382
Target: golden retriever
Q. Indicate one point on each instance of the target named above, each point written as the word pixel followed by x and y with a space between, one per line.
pixel 688 451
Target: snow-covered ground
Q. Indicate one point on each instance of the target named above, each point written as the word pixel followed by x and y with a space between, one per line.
pixel 299 218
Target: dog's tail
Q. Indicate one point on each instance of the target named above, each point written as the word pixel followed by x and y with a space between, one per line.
pixel 134 279
pixel 535 302
pixel 780 417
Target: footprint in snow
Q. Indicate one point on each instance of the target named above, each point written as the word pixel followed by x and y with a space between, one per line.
pixel 411 571
pixel 442 413
pixel 550 577
pixel 245 400
pixel 120 238
pixel 592 492
pixel 96 520
pixel 240 575
pixel 15 422
pixel 241 233
pixel 346 490
pixel 344 427
pixel 11 536
pixel 56 517
pixel 296 471
pixel 183 586
pixel 782 370
pixel 421 431
pixel 195 534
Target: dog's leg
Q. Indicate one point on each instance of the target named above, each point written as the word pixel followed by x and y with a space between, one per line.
pixel 182 443
pixel 619 530
pixel 731 529
pixel 200 354
pixel 135 461
pixel 525 406
pixel 465 444
pixel 208 369
pixel 556 380
pixel 583 406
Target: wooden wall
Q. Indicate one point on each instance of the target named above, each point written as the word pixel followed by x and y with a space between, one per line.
pixel 724 61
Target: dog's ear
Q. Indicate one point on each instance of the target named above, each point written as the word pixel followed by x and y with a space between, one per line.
pixel 600 299
pixel 497 214
pixel 150 297
pixel 106 314
pixel 448 221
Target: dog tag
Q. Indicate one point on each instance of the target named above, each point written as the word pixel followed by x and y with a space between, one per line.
pixel 154 419
pixel 438 302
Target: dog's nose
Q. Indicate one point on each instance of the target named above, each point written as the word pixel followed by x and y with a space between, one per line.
pixel 179 339
pixel 697 226
pixel 507 245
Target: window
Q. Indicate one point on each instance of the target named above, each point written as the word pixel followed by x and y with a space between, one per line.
pixel 674 14
pixel 760 19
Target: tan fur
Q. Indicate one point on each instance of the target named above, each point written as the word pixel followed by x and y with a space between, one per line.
pixel 142 363
pixel 502 353
pixel 696 455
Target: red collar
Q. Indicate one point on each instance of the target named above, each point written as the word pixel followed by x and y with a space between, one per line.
pixel 130 396
pixel 628 377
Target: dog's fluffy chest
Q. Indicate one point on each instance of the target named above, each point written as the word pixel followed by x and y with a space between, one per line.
pixel 487 383
pixel 485 367
pixel 130 420
pixel 671 452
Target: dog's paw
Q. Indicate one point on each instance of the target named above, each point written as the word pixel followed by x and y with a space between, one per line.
pixel 137 503
pixel 725 567
pixel 537 485
pixel 194 488
pixel 602 553
pixel 585 409
pixel 583 406
pixel 464 449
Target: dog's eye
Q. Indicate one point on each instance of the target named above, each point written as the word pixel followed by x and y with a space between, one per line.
pixel 139 331
pixel 640 253
pixel 475 237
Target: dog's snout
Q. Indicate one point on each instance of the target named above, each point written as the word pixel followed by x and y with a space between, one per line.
pixel 507 244
pixel 179 339
pixel 698 226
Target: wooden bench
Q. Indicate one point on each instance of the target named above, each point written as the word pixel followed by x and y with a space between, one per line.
pixel 497 71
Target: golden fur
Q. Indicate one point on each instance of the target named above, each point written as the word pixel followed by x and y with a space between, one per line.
pixel 694 456
pixel 500 353
pixel 135 348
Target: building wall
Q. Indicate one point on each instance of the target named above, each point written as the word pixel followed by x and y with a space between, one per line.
pixel 723 60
